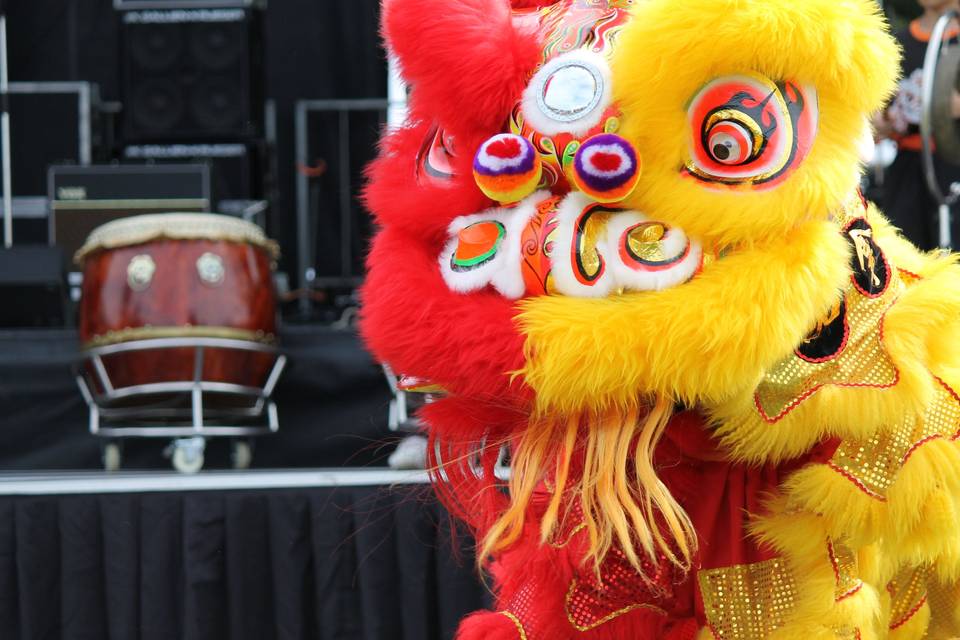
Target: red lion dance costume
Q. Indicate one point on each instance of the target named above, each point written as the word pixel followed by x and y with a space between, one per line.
pixel 624 237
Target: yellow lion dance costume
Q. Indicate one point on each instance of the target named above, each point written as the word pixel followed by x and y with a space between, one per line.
pixel 625 238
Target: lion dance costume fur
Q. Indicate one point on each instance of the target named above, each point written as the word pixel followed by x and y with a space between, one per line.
pixel 625 239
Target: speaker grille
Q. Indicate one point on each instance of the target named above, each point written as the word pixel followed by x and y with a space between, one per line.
pixel 192 75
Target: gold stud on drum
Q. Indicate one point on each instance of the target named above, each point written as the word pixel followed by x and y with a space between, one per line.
pixel 210 269
pixel 140 272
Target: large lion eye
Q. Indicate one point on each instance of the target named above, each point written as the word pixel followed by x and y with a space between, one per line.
pixel 730 142
pixel 748 129
pixel 568 94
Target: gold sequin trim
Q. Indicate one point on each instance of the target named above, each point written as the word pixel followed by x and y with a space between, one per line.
pixel 748 601
pixel 852 208
pixel 864 362
pixel 908 594
pixel 848 633
pixel 187 331
pixel 845 569
pixel 872 464
pixel 580 604
pixel 943 602
pixel 516 622
pixel 569 537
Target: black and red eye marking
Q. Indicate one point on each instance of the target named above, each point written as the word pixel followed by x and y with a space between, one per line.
pixel 749 130
pixel 435 158
pixel 829 338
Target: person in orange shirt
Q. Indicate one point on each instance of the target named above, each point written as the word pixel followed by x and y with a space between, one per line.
pixel 907 200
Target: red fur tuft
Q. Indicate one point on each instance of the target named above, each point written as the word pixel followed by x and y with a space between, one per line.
pixel 466 60
pixel 397 198
pixel 465 441
pixel 412 320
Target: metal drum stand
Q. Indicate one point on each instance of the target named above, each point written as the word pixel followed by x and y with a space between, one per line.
pixel 186 411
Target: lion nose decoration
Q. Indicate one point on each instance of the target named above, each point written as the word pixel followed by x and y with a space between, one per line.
pixel 477 243
pixel 606 168
pixel 572 246
pixel 507 168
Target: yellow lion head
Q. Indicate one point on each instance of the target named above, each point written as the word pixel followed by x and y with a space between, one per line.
pixel 783 91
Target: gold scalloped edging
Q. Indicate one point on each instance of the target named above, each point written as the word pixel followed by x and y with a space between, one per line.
pixel 570 536
pixel 607 618
pixel 174 226
pixel 908 595
pixel 845 568
pixel 872 465
pixel 516 622
pixel 149 333
pixel 863 362
pixel 801 537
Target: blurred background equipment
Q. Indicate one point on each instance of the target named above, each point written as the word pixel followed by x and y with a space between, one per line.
pixel 178 325
pixel 192 72
pixel 83 198
pixel 238 172
pixel 32 282
pixel 938 124
pixel 111 100
pixel 901 12
pixel 219 82
pixel 915 163
pixel 31 276
pixel 332 226
pixel 52 123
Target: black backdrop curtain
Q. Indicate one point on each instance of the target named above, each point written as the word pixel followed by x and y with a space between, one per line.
pixel 308 564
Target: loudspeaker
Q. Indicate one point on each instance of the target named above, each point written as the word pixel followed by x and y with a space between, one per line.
pixel 192 74
pixel 32 284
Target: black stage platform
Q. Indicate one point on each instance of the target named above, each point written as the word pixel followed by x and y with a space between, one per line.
pixel 355 553
pixel 319 555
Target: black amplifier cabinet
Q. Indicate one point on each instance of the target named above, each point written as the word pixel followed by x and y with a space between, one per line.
pixel 33 285
pixel 191 71
pixel 187 4
pixel 237 170
pixel 83 198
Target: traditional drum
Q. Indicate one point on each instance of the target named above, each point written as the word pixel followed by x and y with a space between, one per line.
pixel 185 276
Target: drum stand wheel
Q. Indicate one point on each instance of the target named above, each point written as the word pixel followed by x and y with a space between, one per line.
pixel 186 454
pixel 241 454
pixel 112 456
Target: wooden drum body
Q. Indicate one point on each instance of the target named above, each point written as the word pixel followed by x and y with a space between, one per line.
pixel 179 276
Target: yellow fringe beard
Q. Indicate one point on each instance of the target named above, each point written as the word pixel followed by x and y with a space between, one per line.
pixel 619 493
